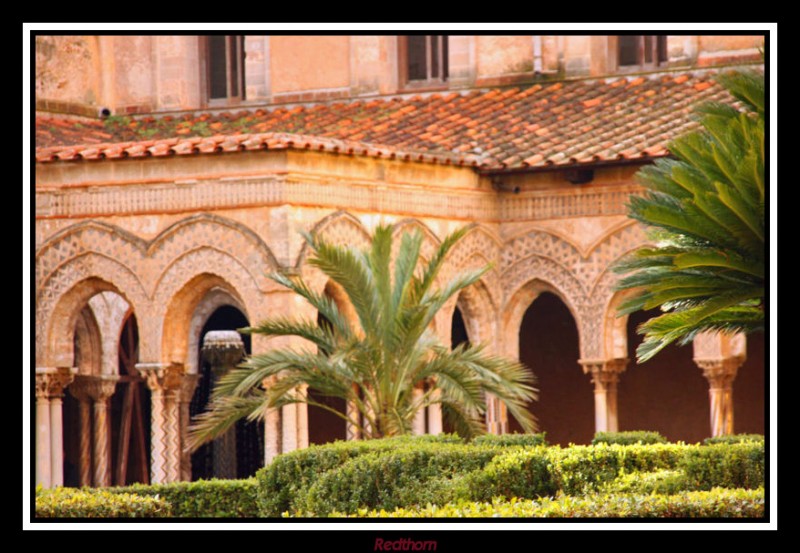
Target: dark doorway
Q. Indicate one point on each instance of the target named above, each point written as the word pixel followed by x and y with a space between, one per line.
pixel 324 426
pixel 458 336
pixel 249 435
pixel 548 345
pixel 749 389
pixel 667 394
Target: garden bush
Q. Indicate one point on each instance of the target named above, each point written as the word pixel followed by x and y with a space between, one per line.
pixel 724 465
pixel 629 437
pixel 508 440
pixel 97 503
pixel 411 475
pixel 734 439
pixel 289 475
pixel 664 482
pixel 716 503
pixel 203 498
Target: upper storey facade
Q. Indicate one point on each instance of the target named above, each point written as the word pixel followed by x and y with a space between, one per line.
pixel 117 75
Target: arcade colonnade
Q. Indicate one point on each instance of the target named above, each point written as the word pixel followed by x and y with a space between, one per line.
pixel 93 276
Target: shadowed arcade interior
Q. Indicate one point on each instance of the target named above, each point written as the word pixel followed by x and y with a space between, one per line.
pixel 548 345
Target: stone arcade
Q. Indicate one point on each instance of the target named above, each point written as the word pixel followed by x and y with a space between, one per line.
pixel 146 245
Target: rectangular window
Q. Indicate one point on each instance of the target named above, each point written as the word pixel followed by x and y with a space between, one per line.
pixel 225 69
pixel 423 60
pixel 641 51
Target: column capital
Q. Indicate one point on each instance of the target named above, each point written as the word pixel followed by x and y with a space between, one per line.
pixel 95 387
pixel 604 371
pixel 51 381
pixel 720 372
pixel 161 377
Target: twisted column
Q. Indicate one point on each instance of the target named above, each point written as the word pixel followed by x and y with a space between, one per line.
pixel 605 376
pixel 187 388
pixel 100 389
pixel 50 384
pixel 79 391
pixel 164 382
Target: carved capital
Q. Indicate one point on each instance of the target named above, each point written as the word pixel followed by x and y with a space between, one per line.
pixel 50 382
pixel 100 388
pixel 720 372
pixel 160 377
pixel 604 372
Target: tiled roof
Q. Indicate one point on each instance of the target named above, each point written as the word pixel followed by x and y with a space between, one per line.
pixel 550 124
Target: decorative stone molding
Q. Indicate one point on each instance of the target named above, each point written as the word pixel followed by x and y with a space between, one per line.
pixel 164 382
pixel 306 189
pixel 50 384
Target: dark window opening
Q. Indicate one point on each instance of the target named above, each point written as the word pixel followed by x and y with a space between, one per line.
pixel 423 59
pixel 225 59
pixel 649 50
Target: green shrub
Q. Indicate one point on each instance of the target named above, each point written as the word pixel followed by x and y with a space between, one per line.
pixel 664 482
pixel 734 439
pixel 410 475
pixel 575 470
pixel 518 473
pixel 508 440
pixel 97 503
pixel 289 475
pixel 724 465
pixel 717 503
pixel 629 437
pixel 204 498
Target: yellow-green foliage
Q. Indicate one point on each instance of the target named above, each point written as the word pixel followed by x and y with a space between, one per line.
pixel 716 503
pixel 204 498
pixel 97 503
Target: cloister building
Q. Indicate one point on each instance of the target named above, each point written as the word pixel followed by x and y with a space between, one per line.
pixel 173 173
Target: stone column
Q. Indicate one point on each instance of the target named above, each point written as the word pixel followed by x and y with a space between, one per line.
pixel 100 389
pixel 418 424
pixel 605 375
pixel 720 355
pixel 720 374
pixel 435 425
pixel 164 382
pixel 79 390
pixel 302 420
pixel 188 385
pixel 272 428
pixel 50 384
pixel 496 416
pixel 289 428
pixel 223 350
pixel 353 431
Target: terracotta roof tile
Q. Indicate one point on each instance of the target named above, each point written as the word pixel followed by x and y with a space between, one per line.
pixel 542 125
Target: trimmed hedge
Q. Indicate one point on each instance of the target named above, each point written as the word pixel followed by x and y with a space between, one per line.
pixel 203 498
pixel 734 439
pixel 97 503
pixel 538 472
pixel 509 440
pixel 724 465
pixel 410 475
pixel 717 503
pixel 286 480
pixel 664 482
pixel 629 437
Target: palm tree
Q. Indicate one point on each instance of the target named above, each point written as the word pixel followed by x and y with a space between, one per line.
pixel 706 211
pixel 377 366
